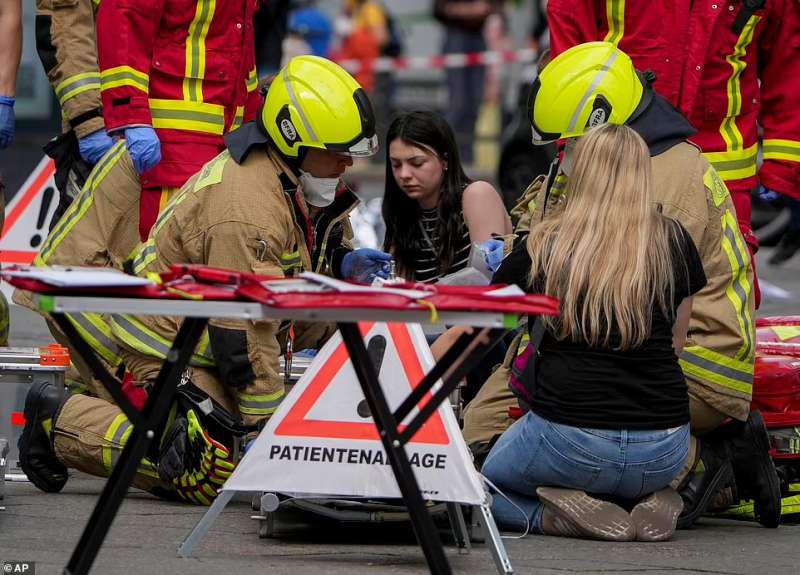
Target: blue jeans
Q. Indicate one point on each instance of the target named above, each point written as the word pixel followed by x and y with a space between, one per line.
pixel 614 464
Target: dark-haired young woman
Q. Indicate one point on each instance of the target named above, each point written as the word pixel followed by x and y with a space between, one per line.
pixel 433 212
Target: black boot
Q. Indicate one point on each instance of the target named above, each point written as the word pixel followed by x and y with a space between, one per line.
pixel 786 248
pixel 36 454
pixel 712 472
pixel 756 477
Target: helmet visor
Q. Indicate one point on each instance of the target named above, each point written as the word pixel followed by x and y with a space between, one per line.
pixel 361 147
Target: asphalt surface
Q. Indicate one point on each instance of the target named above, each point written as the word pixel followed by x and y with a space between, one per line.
pixel 145 536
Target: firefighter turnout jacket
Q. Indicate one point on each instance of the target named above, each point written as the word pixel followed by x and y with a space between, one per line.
pixel 249 217
pixel 65 41
pixel 719 355
pixel 184 67
pixel 728 65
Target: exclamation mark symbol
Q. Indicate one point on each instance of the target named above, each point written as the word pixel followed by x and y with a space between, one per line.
pixel 376 349
pixel 43 210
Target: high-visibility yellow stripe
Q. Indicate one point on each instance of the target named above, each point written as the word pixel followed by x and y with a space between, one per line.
pixel 252 80
pixel 739 289
pixel 729 130
pixel 186 115
pixel 81 204
pixel 615 14
pixel 77 84
pixel 96 332
pixel 196 50
pixel 707 365
pixel 147 253
pixel 777 149
pixel 262 404
pixel 734 164
pixel 124 76
pixel 134 334
pixel 113 437
pixel 238 119
pixel 167 193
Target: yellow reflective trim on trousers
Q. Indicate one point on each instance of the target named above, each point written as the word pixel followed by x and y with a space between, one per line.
pixel 113 437
pixel 124 76
pixel 776 149
pixel 261 404
pixel 77 84
pixel 81 204
pixel 196 50
pixel 134 334
pixel 739 289
pixel 252 80
pixel 187 115
pixel 96 332
pixel 712 367
pixel 735 164
pixel 615 14
pixel 729 130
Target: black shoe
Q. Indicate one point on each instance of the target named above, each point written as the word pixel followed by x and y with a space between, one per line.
pixel 703 485
pixel 756 477
pixel 786 248
pixel 36 455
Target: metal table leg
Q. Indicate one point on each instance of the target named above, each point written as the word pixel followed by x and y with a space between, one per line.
pixel 466 352
pixel 155 410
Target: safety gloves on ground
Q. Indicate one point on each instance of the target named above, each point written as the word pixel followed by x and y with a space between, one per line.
pixel 143 147
pixel 7 120
pixel 196 465
pixel 365 264
pixel 94 146
pixel 493 253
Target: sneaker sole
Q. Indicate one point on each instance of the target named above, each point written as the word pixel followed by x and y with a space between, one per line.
pixel 586 516
pixel 32 415
pixel 656 517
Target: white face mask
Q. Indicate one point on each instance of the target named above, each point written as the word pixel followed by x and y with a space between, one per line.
pixel 569 156
pixel 319 192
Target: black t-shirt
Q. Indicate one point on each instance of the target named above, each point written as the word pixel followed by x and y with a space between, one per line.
pixel 595 387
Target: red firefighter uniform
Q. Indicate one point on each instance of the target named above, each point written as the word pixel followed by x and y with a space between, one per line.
pixel 728 65
pixel 184 67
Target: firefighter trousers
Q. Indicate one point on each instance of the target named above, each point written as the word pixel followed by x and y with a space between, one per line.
pixel 90 433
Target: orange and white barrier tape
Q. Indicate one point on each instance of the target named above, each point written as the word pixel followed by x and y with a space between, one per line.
pixel 441 61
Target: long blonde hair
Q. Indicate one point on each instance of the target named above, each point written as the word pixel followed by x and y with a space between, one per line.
pixel 607 256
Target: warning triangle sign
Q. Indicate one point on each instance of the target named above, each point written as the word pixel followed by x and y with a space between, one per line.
pixel 322 439
pixel 27 218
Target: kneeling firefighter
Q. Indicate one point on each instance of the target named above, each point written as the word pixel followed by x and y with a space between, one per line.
pixel 271 203
pixel 594 83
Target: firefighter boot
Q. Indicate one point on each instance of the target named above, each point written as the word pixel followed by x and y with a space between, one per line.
pixel 756 477
pixel 712 471
pixel 36 454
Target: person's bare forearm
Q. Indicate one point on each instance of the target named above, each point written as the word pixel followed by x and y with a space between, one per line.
pixel 10 45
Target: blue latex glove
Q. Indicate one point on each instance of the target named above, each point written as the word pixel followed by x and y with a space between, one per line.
pixel 144 148
pixel 94 146
pixel 364 264
pixel 767 195
pixel 493 253
pixel 7 120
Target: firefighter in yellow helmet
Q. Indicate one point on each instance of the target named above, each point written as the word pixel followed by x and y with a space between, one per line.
pixel 271 203
pixel 586 86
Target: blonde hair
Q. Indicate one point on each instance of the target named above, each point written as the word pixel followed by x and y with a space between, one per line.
pixel 607 256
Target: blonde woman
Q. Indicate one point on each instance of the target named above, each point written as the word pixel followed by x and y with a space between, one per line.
pixel 610 414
